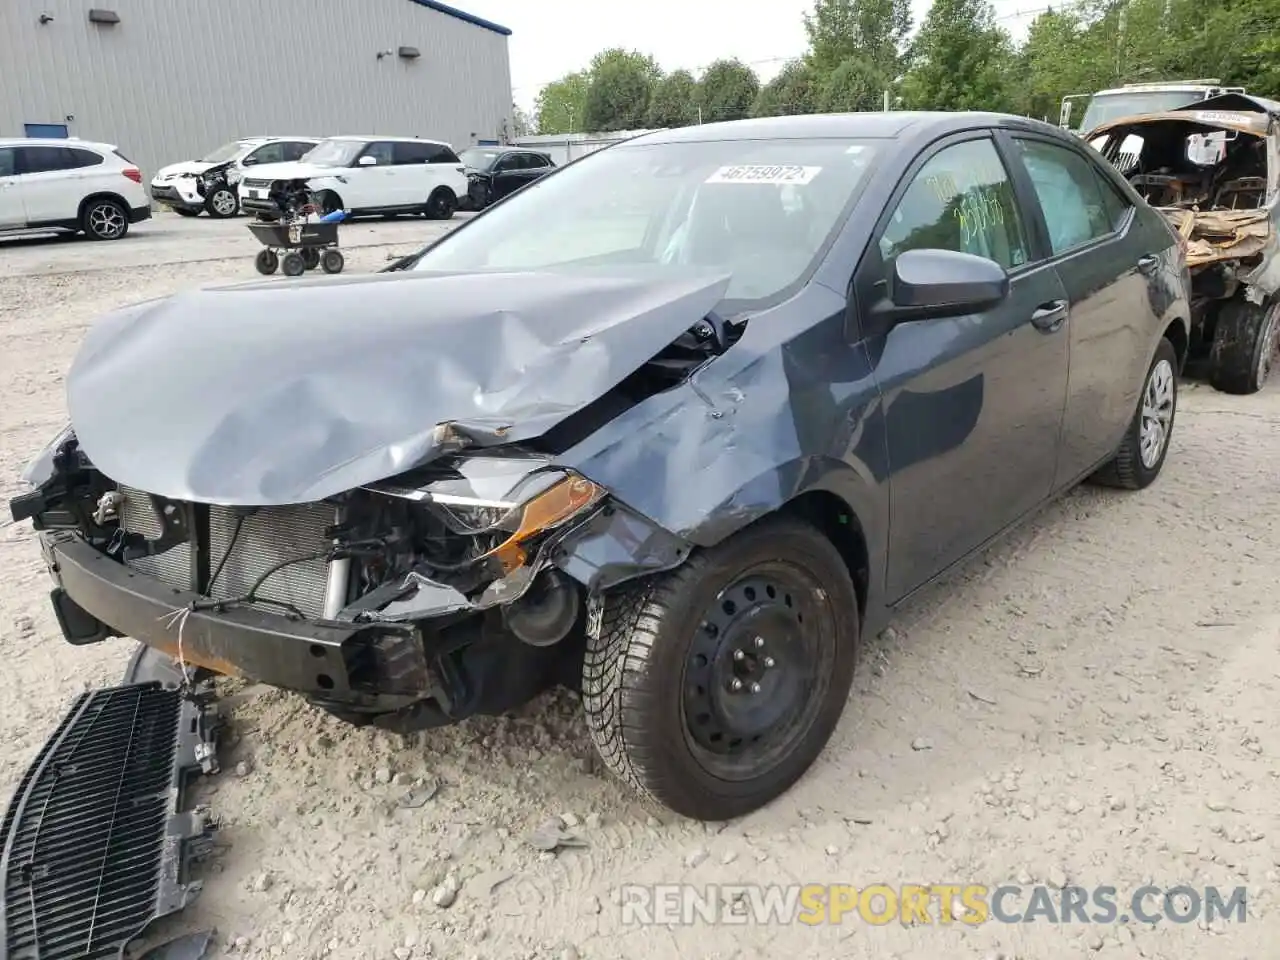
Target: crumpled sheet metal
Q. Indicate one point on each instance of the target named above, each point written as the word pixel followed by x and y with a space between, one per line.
pixel 750 430
pixel 273 392
pixel 1218 235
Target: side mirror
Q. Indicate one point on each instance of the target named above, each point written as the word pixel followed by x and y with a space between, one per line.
pixel 367 161
pixel 249 161
pixel 927 284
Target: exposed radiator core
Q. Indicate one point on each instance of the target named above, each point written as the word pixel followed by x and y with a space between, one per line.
pixel 268 537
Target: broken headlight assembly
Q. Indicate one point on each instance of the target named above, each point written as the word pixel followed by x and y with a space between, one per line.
pixel 499 502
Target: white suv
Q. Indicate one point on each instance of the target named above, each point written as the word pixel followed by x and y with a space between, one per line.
pixel 368 175
pixel 190 186
pixel 69 185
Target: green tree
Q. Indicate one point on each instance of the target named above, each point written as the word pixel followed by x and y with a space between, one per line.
pixel 960 59
pixel 674 101
pixel 727 91
pixel 561 104
pixel 794 90
pixel 621 86
pixel 856 84
pixel 873 30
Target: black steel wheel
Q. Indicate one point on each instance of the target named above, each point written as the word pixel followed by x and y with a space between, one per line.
pixel 441 205
pixel 310 257
pixel 332 261
pixel 715 687
pixel 293 265
pixel 266 262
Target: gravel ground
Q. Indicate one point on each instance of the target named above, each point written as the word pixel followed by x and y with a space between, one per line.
pixel 1089 702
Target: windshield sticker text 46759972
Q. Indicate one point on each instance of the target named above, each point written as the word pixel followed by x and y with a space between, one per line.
pixel 761 173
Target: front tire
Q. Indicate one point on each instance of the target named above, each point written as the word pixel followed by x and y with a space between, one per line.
pixel 1244 345
pixel 222 203
pixel 713 688
pixel 1146 443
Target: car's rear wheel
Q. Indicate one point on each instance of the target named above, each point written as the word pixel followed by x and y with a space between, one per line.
pixel 441 205
pixel 222 203
pixel 1245 338
pixel 1142 452
pixel 713 688
pixel 104 219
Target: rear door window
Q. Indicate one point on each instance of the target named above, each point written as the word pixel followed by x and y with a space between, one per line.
pixel 81 158
pixel 1070 192
pixel 44 159
pixel 408 152
pixel 8 162
pixel 441 153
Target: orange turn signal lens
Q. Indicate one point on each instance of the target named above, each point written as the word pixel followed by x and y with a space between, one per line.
pixel 546 511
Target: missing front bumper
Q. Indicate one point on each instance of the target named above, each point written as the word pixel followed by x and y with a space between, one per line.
pixel 96 597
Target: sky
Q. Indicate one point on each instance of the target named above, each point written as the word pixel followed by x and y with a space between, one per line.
pixel 553 37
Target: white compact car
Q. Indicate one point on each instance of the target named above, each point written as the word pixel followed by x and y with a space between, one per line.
pixel 211 184
pixel 69 186
pixel 367 175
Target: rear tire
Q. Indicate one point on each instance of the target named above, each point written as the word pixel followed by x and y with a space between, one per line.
pixel 713 688
pixel 1244 345
pixel 332 261
pixel 441 205
pixel 1142 452
pixel 310 258
pixel 104 219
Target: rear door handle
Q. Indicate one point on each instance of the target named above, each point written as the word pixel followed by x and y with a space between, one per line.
pixel 1148 263
pixel 1048 317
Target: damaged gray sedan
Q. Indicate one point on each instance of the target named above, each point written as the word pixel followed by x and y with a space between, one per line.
pixel 674 426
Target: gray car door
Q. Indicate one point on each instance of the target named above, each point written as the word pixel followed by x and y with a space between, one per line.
pixel 973 404
pixel 1099 253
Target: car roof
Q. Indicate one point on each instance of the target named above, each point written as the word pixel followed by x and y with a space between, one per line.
pixel 56 142
pixel 890 125
pixel 363 138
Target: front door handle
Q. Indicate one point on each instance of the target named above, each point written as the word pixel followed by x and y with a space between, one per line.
pixel 1149 263
pixel 1048 317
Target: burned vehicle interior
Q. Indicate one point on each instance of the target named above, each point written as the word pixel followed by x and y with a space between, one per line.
pixel 1213 170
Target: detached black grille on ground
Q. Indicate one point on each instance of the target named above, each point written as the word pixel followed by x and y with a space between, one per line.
pixel 96 842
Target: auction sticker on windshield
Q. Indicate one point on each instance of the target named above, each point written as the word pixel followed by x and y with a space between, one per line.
pixel 762 173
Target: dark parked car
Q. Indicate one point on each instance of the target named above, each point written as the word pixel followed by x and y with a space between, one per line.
pixel 677 426
pixel 494 172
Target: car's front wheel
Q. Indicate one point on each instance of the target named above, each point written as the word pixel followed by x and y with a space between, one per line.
pixel 1142 452
pixel 221 203
pixel 1245 340
pixel 713 688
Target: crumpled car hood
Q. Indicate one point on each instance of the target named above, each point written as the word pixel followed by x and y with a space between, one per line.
pixel 276 392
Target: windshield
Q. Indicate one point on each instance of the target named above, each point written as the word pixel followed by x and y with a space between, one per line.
pixel 334 153
pixel 762 210
pixel 478 159
pixel 1113 106
pixel 227 151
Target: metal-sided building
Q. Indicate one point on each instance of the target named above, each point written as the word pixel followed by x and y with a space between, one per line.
pixel 169 80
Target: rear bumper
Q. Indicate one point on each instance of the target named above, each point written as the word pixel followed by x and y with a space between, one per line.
pixel 366 665
pixel 138 214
